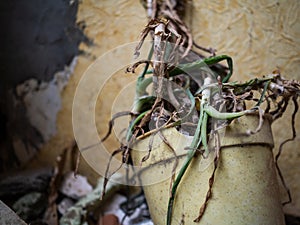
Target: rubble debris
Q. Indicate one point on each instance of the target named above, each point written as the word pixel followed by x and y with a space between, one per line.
pixel 132 211
pixel 51 212
pixel 109 219
pixel 75 187
pixel 78 213
pixel 9 217
pixel 64 205
pixel 12 185
pixel 30 206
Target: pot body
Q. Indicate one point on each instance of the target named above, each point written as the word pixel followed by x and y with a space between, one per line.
pixel 245 189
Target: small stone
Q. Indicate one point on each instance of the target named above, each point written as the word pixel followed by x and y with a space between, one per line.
pixel 64 205
pixel 109 219
pixel 7 216
pixel 75 187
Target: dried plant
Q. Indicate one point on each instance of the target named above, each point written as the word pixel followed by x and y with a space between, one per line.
pixel 206 96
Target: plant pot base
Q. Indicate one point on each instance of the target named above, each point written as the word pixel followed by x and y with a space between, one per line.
pixel 245 190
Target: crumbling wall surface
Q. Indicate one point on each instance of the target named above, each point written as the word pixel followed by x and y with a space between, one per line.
pixel 261 36
pixel 38 52
pixel 107 24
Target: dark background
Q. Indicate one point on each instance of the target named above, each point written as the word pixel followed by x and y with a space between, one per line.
pixel 38 38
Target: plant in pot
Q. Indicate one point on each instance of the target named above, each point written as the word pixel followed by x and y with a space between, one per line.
pixel 203 142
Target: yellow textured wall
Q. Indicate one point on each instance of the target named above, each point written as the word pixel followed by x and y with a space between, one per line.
pixel 109 24
pixel 260 36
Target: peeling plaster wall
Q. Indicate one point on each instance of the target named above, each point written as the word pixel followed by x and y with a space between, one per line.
pixel 104 23
pixel 38 43
pixel 32 108
pixel 43 100
pixel 260 36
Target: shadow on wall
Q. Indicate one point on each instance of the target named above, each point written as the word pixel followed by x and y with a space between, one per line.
pixel 39 38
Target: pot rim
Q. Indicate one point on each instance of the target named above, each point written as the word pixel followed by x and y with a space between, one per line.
pixel 246 137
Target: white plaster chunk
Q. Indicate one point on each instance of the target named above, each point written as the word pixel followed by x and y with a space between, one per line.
pixel 75 187
pixel 64 205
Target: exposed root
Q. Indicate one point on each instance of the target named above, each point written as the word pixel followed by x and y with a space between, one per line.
pixel 211 179
pixel 175 156
pixel 111 122
pixel 77 163
pixel 281 149
pixel 107 176
pixel 150 144
pixel 261 121
pixel 212 51
pixel 133 67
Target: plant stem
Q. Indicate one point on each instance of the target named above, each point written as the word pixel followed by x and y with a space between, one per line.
pixel 201 127
pixel 185 68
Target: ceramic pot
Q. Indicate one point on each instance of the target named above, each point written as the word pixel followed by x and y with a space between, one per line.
pixel 245 189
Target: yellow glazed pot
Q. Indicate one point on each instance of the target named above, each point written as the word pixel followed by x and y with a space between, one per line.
pixel 245 190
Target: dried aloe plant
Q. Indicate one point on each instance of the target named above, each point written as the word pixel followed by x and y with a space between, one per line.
pixel 210 96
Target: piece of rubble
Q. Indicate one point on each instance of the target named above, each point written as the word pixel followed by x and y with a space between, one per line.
pixel 30 206
pixel 76 214
pixel 64 205
pixel 134 212
pixel 109 219
pixel 21 183
pixel 75 187
pixel 9 217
